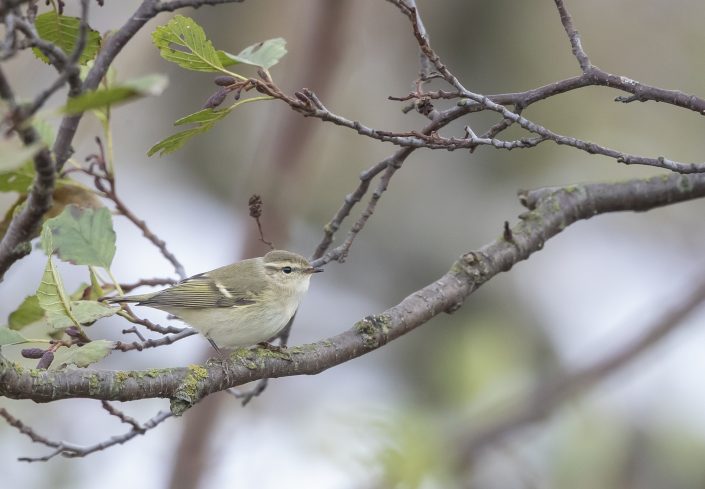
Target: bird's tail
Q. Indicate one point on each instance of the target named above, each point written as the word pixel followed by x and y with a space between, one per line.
pixel 127 298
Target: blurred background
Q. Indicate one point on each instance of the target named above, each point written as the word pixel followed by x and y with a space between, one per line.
pixel 398 417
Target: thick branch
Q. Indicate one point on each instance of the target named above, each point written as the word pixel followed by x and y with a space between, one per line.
pixel 551 211
pixel 15 242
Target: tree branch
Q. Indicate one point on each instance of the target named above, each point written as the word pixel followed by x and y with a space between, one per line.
pixel 551 211
pixel 549 396
pixel 597 77
pixel 15 242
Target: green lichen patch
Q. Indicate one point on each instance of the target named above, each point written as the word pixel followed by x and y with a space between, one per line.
pixel 93 384
pixel 188 392
pixel 373 329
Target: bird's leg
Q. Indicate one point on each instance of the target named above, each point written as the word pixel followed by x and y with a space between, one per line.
pixel 215 347
pixel 223 359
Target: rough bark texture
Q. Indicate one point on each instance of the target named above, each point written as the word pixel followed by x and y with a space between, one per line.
pixel 550 211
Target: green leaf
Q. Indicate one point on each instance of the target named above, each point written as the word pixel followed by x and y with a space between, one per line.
pixel 10 337
pixel 81 236
pixel 46 131
pixel 83 356
pixel 28 313
pixel 183 41
pixel 96 289
pixel 13 154
pixel 90 311
pixel 205 116
pixel 205 120
pixel 64 31
pixel 124 92
pixel 52 298
pixel 17 180
pixel 265 54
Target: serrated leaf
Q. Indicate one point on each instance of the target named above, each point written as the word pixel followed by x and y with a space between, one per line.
pixel 64 31
pixel 10 337
pixel 27 313
pixel 183 41
pixel 121 93
pixel 81 236
pixel 83 356
pixel 205 116
pixel 90 311
pixel 84 313
pixel 13 154
pixel 52 298
pixel 264 54
pixel 205 120
pixel 175 141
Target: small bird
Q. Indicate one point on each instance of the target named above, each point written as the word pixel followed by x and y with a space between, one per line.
pixel 237 305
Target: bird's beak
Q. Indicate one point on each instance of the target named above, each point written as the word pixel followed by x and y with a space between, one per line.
pixel 313 270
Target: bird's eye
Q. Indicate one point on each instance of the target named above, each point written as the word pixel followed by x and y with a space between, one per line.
pixel 286 270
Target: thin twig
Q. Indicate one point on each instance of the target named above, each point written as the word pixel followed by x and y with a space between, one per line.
pixel 133 318
pixel 147 282
pixel 592 148
pixel 104 181
pixel 122 416
pixel 247 395
pixel 574 37
pixel 154 343
pixel 71 450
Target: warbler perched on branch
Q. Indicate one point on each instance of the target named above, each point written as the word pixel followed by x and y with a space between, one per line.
pixel 242 304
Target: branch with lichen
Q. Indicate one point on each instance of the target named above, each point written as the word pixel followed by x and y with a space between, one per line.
pixel 550 212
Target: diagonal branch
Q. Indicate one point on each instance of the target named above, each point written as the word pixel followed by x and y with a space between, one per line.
pixel 15 244
pixel 587 146
pixel 23 227
pixel 574 37
pixel 550 396
pixel 551 211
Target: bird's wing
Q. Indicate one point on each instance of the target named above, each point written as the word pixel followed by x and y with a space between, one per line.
pixel 203 290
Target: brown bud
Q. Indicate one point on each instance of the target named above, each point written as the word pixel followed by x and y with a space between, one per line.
pixel 32 352
pixel 73 332
pixel 46 360
pixel 224 80
pixel 216 99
